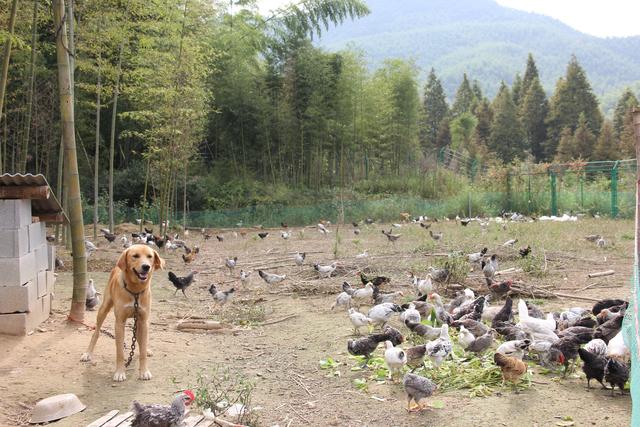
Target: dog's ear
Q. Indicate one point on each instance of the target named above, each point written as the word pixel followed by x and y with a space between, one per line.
pixel 122 261
pixel 158 263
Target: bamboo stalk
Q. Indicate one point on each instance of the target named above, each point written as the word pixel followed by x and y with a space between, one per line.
pixel 601 274
pixel 7 53
pixel 75 203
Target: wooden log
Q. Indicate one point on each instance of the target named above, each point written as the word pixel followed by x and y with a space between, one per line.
pixel 206 325
pixel 28 192
pixel 100 421
pixel 601 274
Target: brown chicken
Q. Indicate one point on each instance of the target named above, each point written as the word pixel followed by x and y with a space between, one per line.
pixel 512 368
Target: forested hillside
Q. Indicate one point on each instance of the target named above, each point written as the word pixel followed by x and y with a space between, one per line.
pixel 195 105
pixel 488 42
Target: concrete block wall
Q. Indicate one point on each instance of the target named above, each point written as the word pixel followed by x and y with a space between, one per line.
pixel 27 265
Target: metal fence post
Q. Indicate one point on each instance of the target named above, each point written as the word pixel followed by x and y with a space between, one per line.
pixel 529 194
pixel 582 191
pixel 508 191
pixel 614 191
pixel 554 195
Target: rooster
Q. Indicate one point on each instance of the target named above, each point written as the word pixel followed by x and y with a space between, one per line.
pixel 182 283
pixel 162 415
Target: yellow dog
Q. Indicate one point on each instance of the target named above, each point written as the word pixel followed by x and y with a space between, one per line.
pixel 130 279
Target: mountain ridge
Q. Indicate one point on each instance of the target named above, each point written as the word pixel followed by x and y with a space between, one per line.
pixel 488 41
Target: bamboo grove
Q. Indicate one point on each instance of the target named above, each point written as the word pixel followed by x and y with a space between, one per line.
pixel 193 104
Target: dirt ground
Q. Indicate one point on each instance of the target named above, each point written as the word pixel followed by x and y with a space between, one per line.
pixel 282 358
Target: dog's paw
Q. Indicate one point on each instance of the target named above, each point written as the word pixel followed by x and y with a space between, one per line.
pixel 119 376
pixel 86 357
pixel 146 375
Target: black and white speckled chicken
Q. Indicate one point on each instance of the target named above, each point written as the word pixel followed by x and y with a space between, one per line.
pixel 108 235
pixel 525 251
pixel 367 345
pixel 505 314
pixel 417 388
pixel 155 415
pixel 221 297
pixel 92 296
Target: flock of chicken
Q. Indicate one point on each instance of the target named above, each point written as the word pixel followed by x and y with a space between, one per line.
pixel 482 323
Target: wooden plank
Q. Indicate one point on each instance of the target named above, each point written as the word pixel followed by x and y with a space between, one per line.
pixel 117 421
pixel 192 421
pixel 52 218
pixel 103 419
pixel 601 274
pixel 25 192
pixel 205 423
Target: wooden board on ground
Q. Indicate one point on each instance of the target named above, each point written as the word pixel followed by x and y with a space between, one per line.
pixel 119 421
pixel 102 420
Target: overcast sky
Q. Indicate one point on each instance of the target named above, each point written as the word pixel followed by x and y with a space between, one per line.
pixel 604 18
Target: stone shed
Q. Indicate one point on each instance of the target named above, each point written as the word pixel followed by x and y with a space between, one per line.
pixel 27 261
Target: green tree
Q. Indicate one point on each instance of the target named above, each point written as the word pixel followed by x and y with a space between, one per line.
pixel 484 115
pixel 573 96
pixel 533 113
pixel 506 139
pixel 627 137
pixel 607 145
pixel 517 91
pixel 464 100
pixel 462 130
pixel 435 109
pixel 444 134
pixel 567 149
pixel 583 138
pixel 626 102
pixel 530 74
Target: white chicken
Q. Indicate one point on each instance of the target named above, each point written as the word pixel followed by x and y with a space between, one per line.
pixel 299 258
pixel 363 295
pixel 230 263
pixel 510 243
pixel 597 346
pixel 476 257
pixel 617 349
pixel 364 254
pixel 89 247
pixel 325 271
pixel 422 286
pixel 244 276
pixel 395 358
pixel 490 268
pixel 271 278
pixel 410 315
pixel 515 348
pixel 322 229
pixel 440 348
pixel 465 338
pixel 381 313
pixel 285 235
pixel 343 299
pixel 532 324
pixel 358 320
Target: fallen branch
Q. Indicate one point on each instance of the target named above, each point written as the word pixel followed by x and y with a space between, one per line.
pixel 559 295
pixel 273 322
pixel 203 325
pixel 601 274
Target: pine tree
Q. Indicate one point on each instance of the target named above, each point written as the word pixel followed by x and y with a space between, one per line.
pixel 627 137
pixel 566 147
pixel 477 91
pixel 506 139
pixel 530 74
pixel 464 100
pixel 435 109
pixel 444 134
pixel 484 114
pixel 573 95
pixel 607 146
pixel 626 102
pixel 462 130
pixel 533 113
pixel 584 139
pixel 517 92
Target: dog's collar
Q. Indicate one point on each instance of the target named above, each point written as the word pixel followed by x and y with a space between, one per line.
pixel 135 294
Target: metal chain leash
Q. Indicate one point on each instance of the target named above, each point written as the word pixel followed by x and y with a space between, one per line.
pixel 135 328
